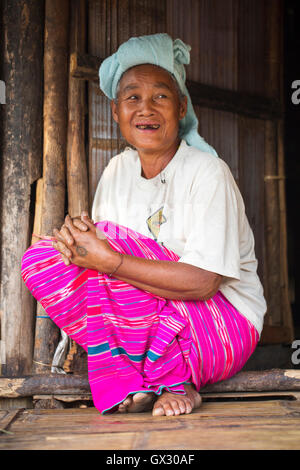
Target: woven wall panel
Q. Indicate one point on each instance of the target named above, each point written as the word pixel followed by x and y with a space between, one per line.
pixel 210 28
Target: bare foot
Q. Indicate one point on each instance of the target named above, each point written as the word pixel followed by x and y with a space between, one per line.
pixel 170 404
pixel 137 403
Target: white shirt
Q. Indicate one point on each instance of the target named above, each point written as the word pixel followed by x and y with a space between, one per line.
pixel 198 212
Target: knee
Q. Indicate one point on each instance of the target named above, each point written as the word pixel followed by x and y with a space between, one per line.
pixel 37 257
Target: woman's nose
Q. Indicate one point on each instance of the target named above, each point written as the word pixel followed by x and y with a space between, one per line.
pixel 146 107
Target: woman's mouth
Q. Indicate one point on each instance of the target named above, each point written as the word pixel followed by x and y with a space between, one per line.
pixel 147 126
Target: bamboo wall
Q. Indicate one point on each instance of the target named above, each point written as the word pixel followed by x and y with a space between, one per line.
pixel 235 82
pixel 109 25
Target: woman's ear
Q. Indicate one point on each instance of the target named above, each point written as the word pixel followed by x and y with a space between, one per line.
pixel 114 111
pixel 183 107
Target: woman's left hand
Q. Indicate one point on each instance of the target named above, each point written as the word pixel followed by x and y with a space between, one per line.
pixel 81 243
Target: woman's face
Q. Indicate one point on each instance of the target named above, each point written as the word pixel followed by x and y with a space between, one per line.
pixel 148 109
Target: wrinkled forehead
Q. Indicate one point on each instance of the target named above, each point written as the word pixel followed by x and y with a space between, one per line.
pixel 158 75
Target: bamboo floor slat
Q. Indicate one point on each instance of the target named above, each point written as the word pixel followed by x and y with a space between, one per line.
pixel 265 422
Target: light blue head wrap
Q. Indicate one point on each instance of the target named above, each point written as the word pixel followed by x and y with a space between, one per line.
pixel 157 49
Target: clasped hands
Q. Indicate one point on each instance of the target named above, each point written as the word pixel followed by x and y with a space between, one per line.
pixel 81 243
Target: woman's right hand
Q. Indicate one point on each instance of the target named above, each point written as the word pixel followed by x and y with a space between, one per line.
pixel 86 246
pixel 63 235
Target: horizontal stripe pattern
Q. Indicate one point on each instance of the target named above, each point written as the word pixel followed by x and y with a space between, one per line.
pixel 137 341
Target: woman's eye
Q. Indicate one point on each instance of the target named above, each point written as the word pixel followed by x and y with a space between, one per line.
pixel 132 97
pixel 161 96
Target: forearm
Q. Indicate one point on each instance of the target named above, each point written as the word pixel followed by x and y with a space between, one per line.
pixel 168 279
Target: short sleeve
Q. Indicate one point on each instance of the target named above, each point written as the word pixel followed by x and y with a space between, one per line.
pixel 99 209
pixel 213 240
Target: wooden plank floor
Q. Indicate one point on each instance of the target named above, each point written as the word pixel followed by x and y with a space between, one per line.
pixel 256 424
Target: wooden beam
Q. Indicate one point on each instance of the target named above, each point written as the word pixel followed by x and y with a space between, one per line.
pixel 43 384
pixel 8 419
pixel 206 396
pixel 85 67
pixel 106 144
pixel 57 384
pixel 231 101
pixel 259 381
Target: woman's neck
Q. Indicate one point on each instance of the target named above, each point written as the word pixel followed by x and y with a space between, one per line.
pixel 152 163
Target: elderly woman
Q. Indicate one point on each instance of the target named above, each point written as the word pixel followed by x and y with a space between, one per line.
pixel 161 287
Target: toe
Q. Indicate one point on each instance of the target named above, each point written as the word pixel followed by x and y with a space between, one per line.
pixel 127 401
pixel 177 407
pixel 183 407
pixel 188 407
pixel 158 411
pixel 198 400
pixel 122 408
pixel 168 409
pixel 142 397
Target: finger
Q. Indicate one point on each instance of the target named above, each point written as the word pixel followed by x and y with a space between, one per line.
pixel 64 250
pixel 67 236
pixel 85 214
pixel 65 260
pixel 70 226
pixel 63 236
pixel 80 225
pixel 100 234
pixel 72 229
pixel 61 247
pixel 86 219
pixel 57 234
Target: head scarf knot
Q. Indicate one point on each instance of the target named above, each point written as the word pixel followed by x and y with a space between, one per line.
pixel 161 50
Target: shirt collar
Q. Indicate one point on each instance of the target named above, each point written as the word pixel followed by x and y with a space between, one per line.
pixel 166 173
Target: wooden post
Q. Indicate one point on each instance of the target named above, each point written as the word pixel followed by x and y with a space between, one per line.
pixel 50 203
pixel 22 54
pixel 272 235
pixel 286 303
pixel 276 254
pixel 77 180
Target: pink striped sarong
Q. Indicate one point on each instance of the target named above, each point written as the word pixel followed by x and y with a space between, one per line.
pixel 137 341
